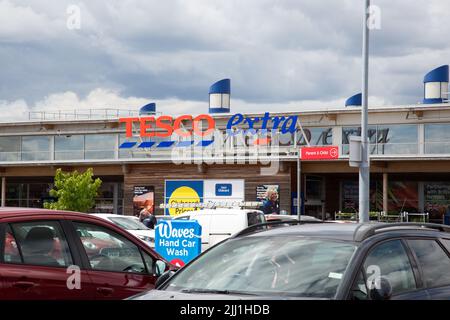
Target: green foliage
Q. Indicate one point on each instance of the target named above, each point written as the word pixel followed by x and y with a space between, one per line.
pixel 75 191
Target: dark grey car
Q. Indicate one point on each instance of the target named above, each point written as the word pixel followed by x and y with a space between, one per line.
pixel 319 261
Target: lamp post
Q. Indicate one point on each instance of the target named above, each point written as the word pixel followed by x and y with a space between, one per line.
pixel 364 169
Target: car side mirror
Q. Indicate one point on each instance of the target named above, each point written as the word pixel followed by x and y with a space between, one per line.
pixel 160 267
pixel 165 276
pixel 380 290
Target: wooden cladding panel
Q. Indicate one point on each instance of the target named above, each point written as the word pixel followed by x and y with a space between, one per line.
pixel 156 174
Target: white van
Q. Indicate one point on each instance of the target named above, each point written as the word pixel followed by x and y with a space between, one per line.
pixel 219 224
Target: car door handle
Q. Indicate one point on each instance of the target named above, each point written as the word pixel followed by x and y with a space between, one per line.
pixel 24 284
pixel 105 291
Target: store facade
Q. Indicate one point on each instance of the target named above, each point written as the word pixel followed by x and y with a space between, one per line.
pixel 410 158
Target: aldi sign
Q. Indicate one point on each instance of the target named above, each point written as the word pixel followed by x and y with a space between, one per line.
pixel 178 241
pixel 319 153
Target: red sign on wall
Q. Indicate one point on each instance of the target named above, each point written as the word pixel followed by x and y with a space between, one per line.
pixel 319 153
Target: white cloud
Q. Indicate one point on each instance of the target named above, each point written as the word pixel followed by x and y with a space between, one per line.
pixel 63 106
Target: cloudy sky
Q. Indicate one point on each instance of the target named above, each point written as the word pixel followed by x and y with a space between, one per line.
pixel 280 55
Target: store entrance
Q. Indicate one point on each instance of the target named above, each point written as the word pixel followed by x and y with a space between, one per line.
pixel 315 196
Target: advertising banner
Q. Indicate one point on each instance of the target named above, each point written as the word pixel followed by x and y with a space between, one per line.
pixel 178 241
pixel 183 191
pixel 269 194
pixel 143 197
pixel 219 190
pixel 201 191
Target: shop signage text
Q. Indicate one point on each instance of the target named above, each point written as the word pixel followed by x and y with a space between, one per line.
pixel 319 153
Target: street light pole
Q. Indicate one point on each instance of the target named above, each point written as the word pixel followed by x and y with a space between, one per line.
pixel 364 170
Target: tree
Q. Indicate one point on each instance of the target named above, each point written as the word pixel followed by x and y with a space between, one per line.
pixel 74 191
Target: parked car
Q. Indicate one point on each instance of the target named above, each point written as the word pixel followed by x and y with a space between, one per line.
pixel 319 261
pixel 132 225
pixel 219 224
pixel 46 254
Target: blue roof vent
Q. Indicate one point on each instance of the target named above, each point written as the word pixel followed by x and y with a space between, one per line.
pixel 435 85
pixel 354 101
pixel 148 109
pixel 219 96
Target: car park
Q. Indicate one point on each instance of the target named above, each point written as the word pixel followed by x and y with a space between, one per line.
pixel 132 225
pixel 357 261
pixel 219 224
pixel 47 254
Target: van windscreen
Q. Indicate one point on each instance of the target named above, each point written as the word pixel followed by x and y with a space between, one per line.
pixel 255 217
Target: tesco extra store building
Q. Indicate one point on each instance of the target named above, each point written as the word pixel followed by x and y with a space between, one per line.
pixel 145 157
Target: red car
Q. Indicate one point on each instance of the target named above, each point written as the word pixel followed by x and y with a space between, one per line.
pixel 46 254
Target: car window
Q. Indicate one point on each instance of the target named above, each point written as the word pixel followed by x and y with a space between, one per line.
pixel 109 251
pixel 42 243
pixel 446 243
pixel 255 218
pixel 359 290
pixel 11 252
pixel 392 262
pixel 434 261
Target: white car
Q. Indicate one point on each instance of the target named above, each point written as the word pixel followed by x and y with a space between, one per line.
pixel 219 224
pixel 132 225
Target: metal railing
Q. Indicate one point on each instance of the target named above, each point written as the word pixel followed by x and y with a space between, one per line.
pixel 84 114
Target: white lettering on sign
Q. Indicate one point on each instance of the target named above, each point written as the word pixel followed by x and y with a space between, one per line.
pixel 166 230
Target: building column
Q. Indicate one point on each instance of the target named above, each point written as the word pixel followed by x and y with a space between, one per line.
pixel 385 192
pixel 3 191
pixel 115 197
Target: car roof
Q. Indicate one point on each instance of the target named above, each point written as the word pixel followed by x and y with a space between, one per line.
pixel 16 211
pixel 354 232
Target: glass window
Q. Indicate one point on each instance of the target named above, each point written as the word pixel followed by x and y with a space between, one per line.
pixel 437 138
pixel 11 252
pixel 273 266
pixel 69 147
pixel 35 148
pixel 9 148
pixel 42 243
pixel 100 146
pixel 393 262
pixel 356 131
pixel 434 261
pixel 437 200
pixel 109 251
pixel 359 290
pixel 315 136
pixel 255 218
pixel 128 223
pixel 397 139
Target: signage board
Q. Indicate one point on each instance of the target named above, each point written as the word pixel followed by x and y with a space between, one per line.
pixel 143 197
pixel 178 241
pixel 319 153
pixel 178 192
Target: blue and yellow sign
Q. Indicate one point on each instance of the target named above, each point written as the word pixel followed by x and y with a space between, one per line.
pixel 182 191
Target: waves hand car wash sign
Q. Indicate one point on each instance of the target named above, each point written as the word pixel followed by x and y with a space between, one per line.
pixel 178 241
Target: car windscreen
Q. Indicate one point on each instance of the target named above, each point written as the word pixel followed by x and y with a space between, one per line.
pixel 255 217
pixel 268 266
pixel 128 223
